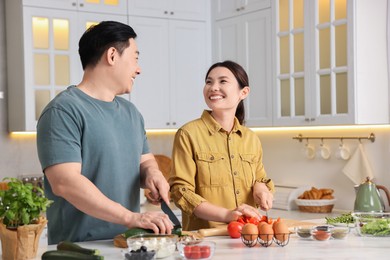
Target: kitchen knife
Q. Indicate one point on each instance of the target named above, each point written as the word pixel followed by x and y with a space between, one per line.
pixel 167 210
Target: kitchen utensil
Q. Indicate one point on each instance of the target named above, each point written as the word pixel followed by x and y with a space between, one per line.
pixel 167 210
pixel 368 198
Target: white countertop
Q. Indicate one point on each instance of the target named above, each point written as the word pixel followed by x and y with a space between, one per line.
pixel 353 247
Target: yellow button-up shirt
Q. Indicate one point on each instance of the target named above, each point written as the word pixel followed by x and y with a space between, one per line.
pixel 210 164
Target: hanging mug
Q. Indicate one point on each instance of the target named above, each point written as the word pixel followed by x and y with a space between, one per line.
pixel 343 152
pixel 324 151
pixel 309 151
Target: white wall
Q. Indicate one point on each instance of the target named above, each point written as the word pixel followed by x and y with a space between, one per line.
pixel 285 163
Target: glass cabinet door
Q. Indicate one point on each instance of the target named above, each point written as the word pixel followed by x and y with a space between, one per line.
pixel 51 51
pixel 311 61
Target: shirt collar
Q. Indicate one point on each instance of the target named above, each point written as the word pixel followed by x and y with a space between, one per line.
pixel 214 127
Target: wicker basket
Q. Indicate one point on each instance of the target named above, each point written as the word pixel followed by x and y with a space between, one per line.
pixel 315 206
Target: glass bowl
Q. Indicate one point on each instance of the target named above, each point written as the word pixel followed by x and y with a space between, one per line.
pixel 339 232
pixel 163 245
pixel 304 232
pixel 201 251
pixel 321 233
pixel 372 224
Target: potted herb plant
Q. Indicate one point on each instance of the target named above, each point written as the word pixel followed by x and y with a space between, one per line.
pixel 21 218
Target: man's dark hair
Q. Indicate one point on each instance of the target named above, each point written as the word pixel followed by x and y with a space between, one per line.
pixel 98 38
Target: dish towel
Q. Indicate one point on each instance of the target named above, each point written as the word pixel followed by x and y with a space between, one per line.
pixel 358 167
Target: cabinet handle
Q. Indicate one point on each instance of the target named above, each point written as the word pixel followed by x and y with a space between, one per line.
pixel 242 8
pixel 174 123
pixel 172 13
pixel 74 4
pixel 167 123
pixel 310 119
pixel 81 5
pixel 238 9
pixel 165 12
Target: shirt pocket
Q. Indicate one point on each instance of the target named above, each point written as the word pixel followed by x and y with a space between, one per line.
pixel 248 163
pixel 213 169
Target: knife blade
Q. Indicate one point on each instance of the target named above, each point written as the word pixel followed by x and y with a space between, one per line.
pixel 167 210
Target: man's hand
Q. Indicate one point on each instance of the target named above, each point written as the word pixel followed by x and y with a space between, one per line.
pixel 153 179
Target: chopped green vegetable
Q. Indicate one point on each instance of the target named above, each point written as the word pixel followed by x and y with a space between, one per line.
pixel 379 227
pixel 345 218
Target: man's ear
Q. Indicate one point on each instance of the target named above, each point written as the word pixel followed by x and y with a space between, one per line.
pixel 110 55
pixel 245 92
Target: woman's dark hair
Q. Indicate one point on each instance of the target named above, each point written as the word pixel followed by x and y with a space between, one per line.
pixel 98 38
pixel 242 79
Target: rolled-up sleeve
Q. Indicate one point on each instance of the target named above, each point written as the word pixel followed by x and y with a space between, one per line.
pixel 182 179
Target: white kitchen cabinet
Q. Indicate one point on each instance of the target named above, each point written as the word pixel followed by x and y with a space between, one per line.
pixel 174 57
pixel 42 57
pixel 246 39
pixel 177 9
pixel 95 6
pixel 331 65
pixel 229 8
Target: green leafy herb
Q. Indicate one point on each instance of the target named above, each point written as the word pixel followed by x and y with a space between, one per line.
pixel 345 218
pixel 22 204
pixel 377 227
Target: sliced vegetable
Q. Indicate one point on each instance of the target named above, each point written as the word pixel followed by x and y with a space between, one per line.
pixel 139 231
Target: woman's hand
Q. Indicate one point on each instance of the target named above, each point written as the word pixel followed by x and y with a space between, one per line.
pixel 262 196
pixel 243 210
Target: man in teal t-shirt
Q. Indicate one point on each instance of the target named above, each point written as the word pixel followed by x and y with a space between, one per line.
pixel 93 148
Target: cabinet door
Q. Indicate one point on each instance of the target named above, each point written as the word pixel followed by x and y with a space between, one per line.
pixel 229 8
pixel 188 66
pixel 175 9
pixel 312 69
pixel 173 60
pixel 257 60
pixel 97 6
pixel 152 87
pixel 246 40
pixel 50 49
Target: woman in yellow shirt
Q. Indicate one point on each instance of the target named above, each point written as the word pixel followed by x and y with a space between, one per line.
pixel 217 170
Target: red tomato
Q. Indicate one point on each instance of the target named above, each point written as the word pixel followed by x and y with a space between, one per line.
pixel 246 219
pixel 205 251
pixel 234 229
pixel 187 251
pixel 195 252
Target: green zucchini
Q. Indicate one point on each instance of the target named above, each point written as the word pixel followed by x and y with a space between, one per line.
pixel 69 246
pixel 68 255
pixel 139 231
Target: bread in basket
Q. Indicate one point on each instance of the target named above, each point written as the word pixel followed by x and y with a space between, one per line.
pixel 316 200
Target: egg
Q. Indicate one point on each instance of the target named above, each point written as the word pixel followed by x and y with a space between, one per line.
pixel 281 230
pixel 250 232
pixel 266 232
